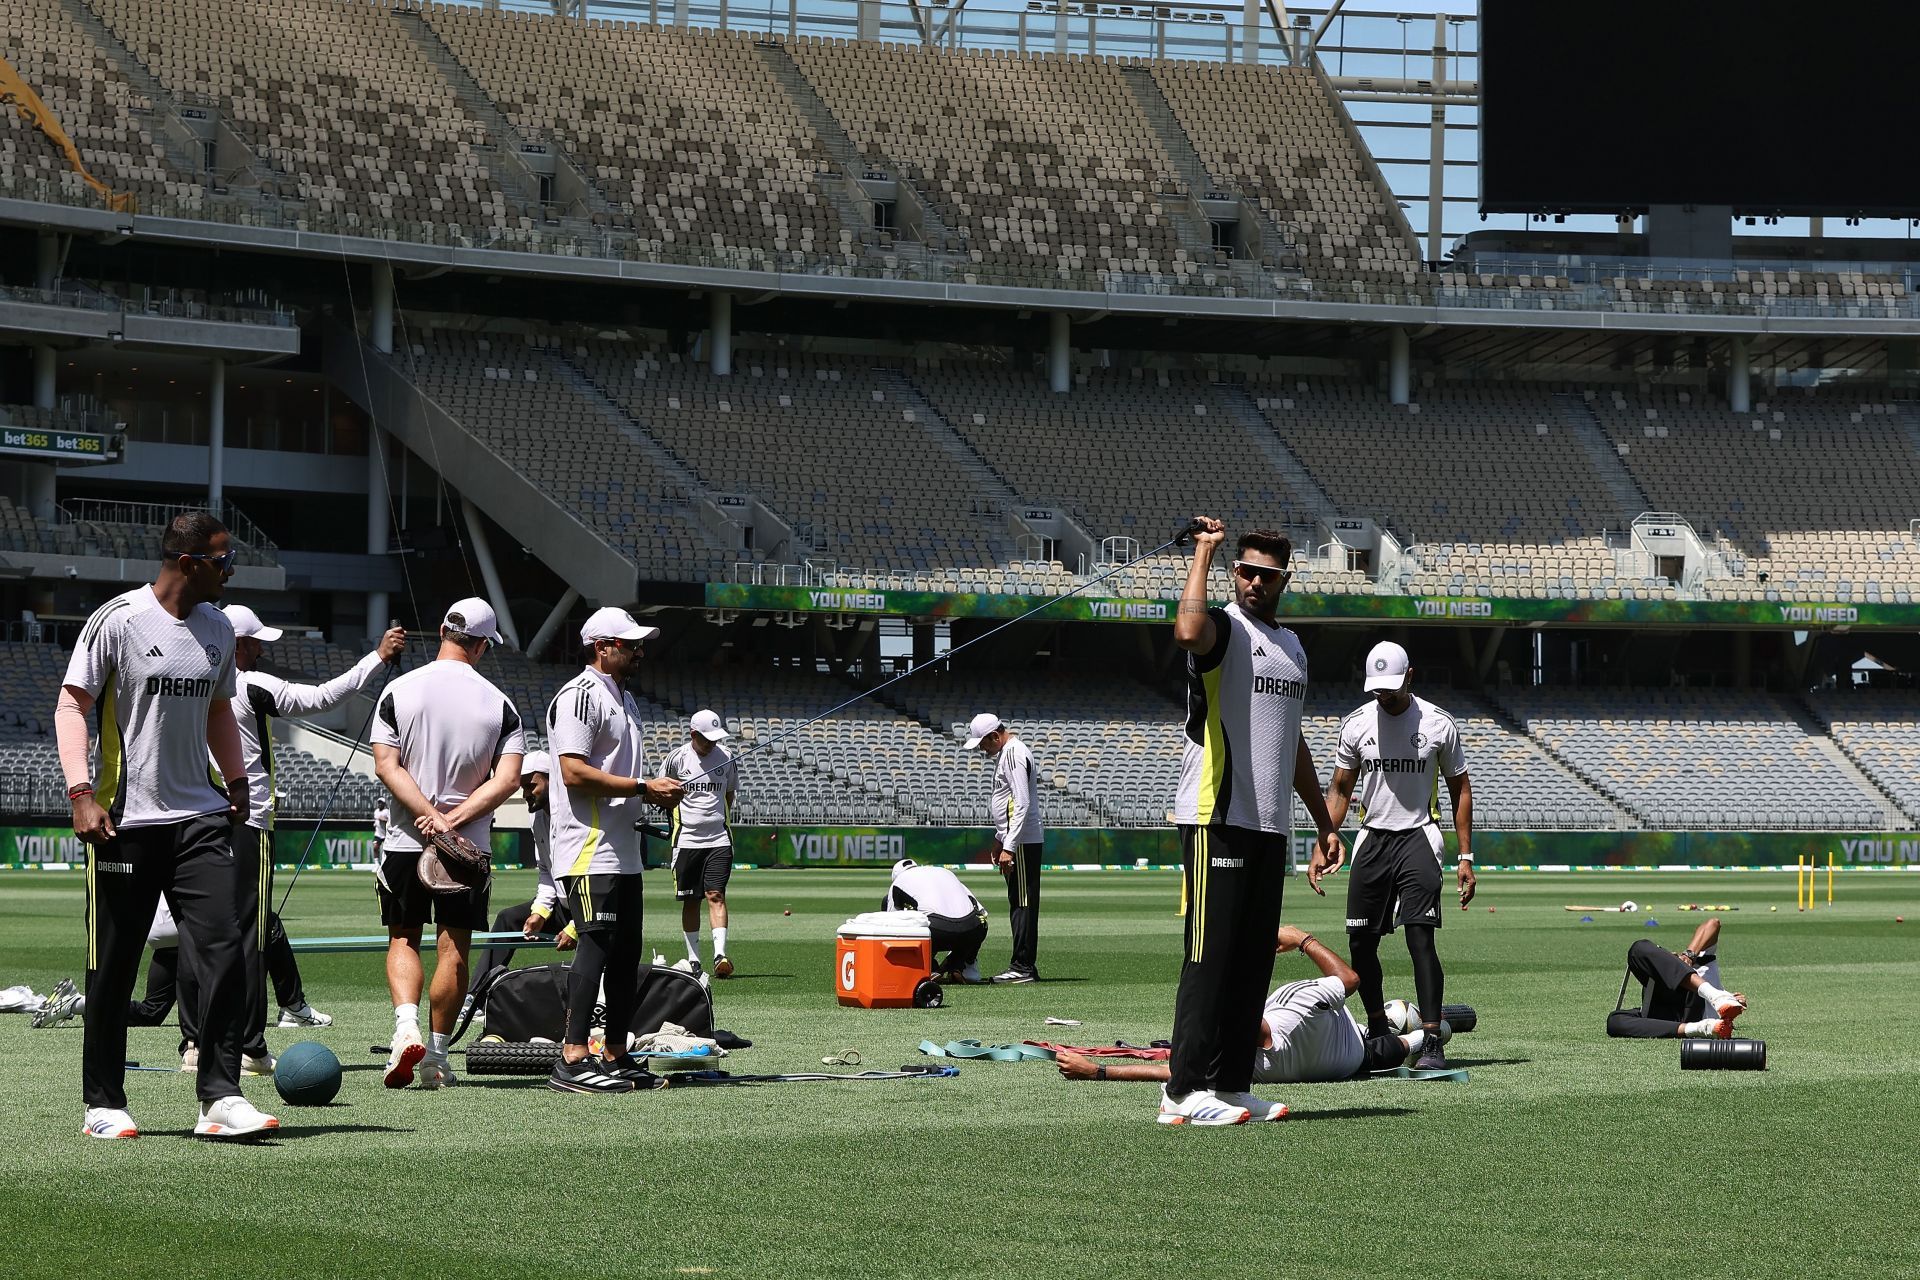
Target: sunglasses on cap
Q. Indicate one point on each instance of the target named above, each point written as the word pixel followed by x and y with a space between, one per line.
pixel 222 562
pixel 1260 572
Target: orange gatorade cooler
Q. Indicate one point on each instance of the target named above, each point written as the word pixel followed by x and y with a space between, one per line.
pixel 881 957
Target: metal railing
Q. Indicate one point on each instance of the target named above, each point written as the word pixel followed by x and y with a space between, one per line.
pixel 152 518
pixel 89 298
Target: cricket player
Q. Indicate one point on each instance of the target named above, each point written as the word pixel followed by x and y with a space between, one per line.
pixel 702 837
pixel 1680 993
pixel 1018 837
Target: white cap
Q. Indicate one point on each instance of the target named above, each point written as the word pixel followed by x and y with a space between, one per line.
pixel 707 725
pixel 981 725
pixel 535 762
pixel 903 864
pixel 247 623
pixel 614 624
pixel 473 617
pixel 1387 665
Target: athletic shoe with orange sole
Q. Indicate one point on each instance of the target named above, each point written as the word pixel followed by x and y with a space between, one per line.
pixel 722 967
pixel 1201 1107
pixel 108 1122
pixel 1732 1007
pixel 1258 1109
pixel 232 1117
pixel 407 1053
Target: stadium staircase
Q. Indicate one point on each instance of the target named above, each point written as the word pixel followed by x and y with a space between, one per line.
pixel 1190 222
pixel 1304 492
pixel 1628 498
pixel 1625 817
pixel 988 483
pixel 840 186
pixel 1821 736
pixel 538 520
pixel 1907 421
pixel 170 129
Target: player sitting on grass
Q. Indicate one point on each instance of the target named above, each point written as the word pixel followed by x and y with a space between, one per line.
pixel 1306 1034
pixel 1680 995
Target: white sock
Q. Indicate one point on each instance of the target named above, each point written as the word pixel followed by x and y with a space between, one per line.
pixel 406 1015
pixel 693 945
pixel 437 1048
pixel 1415 1039
pixel 720 940
pixel 1704 1027
pixel 1713 995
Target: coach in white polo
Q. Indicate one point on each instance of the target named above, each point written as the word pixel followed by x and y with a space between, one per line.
pixel 1018 838
pixel 447 744
pixel 595 795
pixel 702 833
pixel 1397 747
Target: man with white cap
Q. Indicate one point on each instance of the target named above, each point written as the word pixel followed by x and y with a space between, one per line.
pixel 548 909
pixel 448 746
pixel 956 921
pixel 261 697
pixel 702 839
pixel 1018 838
pixel 1397 747
pixel 593 730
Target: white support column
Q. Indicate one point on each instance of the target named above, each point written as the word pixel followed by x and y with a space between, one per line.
pixel 46 263
pixel 1437 145
pixel 37 487
pixel 551 627
pixel 1739 375
pixel 45 363
pixel 1060 27
pixel 217 435
pixel 488 574
pixel 1059 352
pixel 378 607
pixel 1399 366
pixel 1250 21
pixel 380 328
pixel 868 27
pixel 720 329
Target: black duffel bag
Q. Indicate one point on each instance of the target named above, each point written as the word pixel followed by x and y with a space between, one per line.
pixel 531 1003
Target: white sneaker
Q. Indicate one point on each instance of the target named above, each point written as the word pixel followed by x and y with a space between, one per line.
pixel 436 1073
pixel 190 1058
pixel 263 1065
pixel 232 1117
pixel 108 1122
pixel 1201 1107
pixel 305 1016
pixel 687 964
pixel 406 1055
pixel 1256 1108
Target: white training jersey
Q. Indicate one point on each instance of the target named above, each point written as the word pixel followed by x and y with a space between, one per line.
pixel 934 890
pixel 1314 1037
pixel 593 835
pixel 548 892
pixel 382 819
pixel 1016 814
pixel 262 697
pixel 1244 699
pixel 154 678
pixel 452 729
pixel 700 820
pixel 1399 760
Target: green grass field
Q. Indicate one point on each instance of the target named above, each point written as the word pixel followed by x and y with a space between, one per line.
pixel 1566 1154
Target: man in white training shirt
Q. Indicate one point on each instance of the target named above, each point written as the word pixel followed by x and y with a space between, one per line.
pixel 157 662
pixel 1243 763
pixel 1306 1034
pixel 547 911
pixel 594 733
pixel 447 745
pixel 702 836
pixel 1018 837
pixel 261 698
pixel 1398 747
pixel 955 917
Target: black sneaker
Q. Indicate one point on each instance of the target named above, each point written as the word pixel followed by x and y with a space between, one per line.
pixel 589 1075
pixel 1433 1056
pixel 628 1067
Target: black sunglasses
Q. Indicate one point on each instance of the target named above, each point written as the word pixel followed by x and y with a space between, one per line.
pixel 1261 572
pixel 222 562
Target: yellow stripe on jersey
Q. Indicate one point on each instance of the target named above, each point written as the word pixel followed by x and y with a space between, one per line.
pixel 1433 797
pixel 93 912
pixel 592 843
pixel 265 846
pixel 1203 852
pixel 673 831
pixel 1213 758
pixel 113 754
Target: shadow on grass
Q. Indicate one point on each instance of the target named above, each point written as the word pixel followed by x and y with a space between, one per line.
pixel 1488 1062
pixel 274 1137
pixel 1347 1113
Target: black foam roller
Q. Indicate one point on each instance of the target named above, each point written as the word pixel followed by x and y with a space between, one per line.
pixel 494 1058
pixel 1460 1016
pixel 1723 1055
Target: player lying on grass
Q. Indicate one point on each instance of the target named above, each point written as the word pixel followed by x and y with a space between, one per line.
pixel 1306 1034
pixel 1680 995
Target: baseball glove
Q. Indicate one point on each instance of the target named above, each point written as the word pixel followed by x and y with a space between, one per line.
pixel 451 863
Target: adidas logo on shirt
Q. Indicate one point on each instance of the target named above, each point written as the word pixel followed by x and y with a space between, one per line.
pixel 154 652
pixel 1259 651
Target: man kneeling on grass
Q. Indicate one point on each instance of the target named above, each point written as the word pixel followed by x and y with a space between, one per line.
pixel 1680 994
pixel 1306 1034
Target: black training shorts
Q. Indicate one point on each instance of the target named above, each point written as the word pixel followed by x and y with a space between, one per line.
pixel 1394 879
pixel 405 903
pixel 697 872
pixel 607 901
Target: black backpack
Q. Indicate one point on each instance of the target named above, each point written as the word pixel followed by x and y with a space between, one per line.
pixel 531 1004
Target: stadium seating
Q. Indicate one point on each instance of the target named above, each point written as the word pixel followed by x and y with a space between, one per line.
pixel 683 168
pixel 1880 732
pixel 1710 759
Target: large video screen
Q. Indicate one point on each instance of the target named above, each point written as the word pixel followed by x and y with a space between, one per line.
pixel 1763 105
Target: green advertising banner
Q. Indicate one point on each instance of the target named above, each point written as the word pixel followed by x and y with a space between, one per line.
pixel 1330 608
pixel 342 847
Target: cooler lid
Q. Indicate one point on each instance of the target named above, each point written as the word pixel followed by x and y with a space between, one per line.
pixel 887 924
